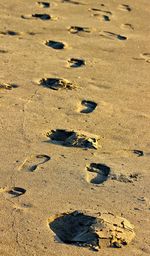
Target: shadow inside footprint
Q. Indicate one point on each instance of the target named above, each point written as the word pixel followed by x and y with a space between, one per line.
pixel 70 1
pixel 120 37
pixel 101 173
pixel 10 33
pixel 89 106
pixel 56 83
pixel 73 139
pixel 95 231
pixel 125 7
pixel 106 18
pixel 138 152
pixel 55 45
pixel 76 63
pixel 76 29
pixel 111 35
pixel 17 191
pixel 31 163
pixel 44 4
pixel 42 16
pixel 75 228
pixel 8 86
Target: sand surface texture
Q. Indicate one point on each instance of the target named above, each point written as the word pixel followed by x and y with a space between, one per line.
pixel 74 119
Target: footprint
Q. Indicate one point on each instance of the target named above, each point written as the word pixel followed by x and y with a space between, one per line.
pixel 100 10
pixel 17 191
pixel 125 7
pixel 10 33
pixel 55 45
pixel 106 18
pixel 44 4
pixel 127 26
pixel 3 51
pixel 111 35
pixel 8 86
pixel 97 173
pixel 89 106
pixel 94 231
pixel 76 29
pixel 71 2
pixel 76 63
pixel 138 152
pixel 14 191
pixel 56 83
pixel 144 56
pixel 73 139
pixel 32 163
pixel 42 16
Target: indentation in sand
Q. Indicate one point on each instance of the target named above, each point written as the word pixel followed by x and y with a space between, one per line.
pixel 127 26
pixel 71 2
pixel 33 162
pixel 87 106
pixel 144 56
pixel 44 4
pixel 17 191
pixel 138 152
pixel 41 16
pixel 125 7
pixel 73 139
pixel 97 173
pixel 55 44
pixel 8 86
pixel 100 10
pixel 111 35
pixel 77 29
pixel 57 83
pixel 10 33
pixel 76 63
pixel 94 231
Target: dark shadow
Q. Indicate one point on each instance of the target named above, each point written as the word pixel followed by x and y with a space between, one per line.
pixel 76 228
pixel 55 45
pixel 75 63
pixel 89 106
pixel 102 172
pixel 17 191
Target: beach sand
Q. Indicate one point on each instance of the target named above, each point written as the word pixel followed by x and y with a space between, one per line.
pixel 81 68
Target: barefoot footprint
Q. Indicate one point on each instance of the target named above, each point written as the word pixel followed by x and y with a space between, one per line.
pixel 125 7
pixel 73 139
pixel 17 191
pixel 71 2
pixel 8 86
pixel 9 33
pixel 14 191
pixel 89 106
pixel 97 173
pixel 40 16
pixel 76 29
pixel 76 63
pixel 111 35
pixel 31 164
pixel 55 45
pixel 44 4
pixel 56 83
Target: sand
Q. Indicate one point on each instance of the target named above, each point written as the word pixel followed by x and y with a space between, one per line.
pixel 82 67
